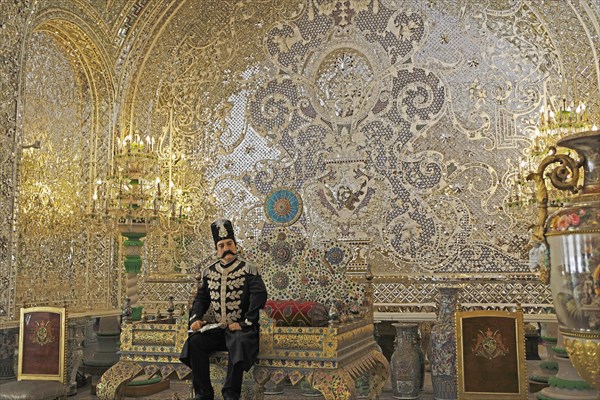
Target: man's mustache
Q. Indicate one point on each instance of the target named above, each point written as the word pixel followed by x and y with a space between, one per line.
pixel 228 252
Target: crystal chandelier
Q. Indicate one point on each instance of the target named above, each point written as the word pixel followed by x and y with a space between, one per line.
pixel 135 194
pixel 135 200
pixel 135 171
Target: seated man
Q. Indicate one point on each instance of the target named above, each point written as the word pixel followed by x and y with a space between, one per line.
pixel 236 292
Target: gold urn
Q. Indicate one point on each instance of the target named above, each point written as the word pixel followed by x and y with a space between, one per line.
pixel 573 237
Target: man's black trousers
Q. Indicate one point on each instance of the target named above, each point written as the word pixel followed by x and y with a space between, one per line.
pixel 201 346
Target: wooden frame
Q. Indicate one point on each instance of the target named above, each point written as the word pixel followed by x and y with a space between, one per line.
pixel 491 355
pixel 42 336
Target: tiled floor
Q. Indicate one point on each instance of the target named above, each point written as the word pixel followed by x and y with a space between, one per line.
pixel 179 390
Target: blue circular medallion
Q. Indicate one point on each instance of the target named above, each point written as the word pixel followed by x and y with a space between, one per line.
pixel 335 255
pixel 283 207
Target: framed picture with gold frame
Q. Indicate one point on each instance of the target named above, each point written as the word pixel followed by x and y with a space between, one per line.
pixel 42 344
pixel 491 355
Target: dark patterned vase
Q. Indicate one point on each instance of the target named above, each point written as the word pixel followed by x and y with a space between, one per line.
pixel 8 338
pixel 442 350
pixel 406 363
pixel 421 359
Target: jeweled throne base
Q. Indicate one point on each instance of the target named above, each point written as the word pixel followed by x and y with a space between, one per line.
pixel 330 358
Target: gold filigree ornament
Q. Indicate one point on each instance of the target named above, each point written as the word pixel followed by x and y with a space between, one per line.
pixel 43 333
pixel 490 344
pixel 585 356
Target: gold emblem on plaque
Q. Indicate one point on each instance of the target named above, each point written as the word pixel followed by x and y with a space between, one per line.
pixel 43 333
pixel 490 344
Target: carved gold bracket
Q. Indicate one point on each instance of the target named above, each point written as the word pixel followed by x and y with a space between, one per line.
pixel 563 177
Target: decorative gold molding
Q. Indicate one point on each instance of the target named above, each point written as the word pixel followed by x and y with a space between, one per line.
pixel 585 356
pixel 592 335
pixel 566 233
pixel 445 278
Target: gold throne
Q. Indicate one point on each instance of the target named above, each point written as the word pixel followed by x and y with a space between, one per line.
pixel 329 357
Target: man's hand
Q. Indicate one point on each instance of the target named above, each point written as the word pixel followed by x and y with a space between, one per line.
pixel 196 325
pixel 234 326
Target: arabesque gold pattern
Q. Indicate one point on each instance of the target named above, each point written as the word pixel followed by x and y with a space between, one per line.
pixel 113 382
pixel 153 340
pixel 428 104
pixel 151 347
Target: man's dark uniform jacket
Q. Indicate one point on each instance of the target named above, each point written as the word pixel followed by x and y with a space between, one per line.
pixel 236 292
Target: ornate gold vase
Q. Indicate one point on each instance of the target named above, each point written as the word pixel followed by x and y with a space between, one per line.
pixel 573 237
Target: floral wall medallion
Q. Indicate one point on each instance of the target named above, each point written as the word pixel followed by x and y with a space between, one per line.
pixel 280 256
pixel 324 275
pixel 283 207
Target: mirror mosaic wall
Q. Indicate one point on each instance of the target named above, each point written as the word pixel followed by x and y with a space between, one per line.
pixel 334 134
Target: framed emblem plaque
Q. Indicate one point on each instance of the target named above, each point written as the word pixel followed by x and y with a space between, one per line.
pixel 42 344
pixel 491 355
